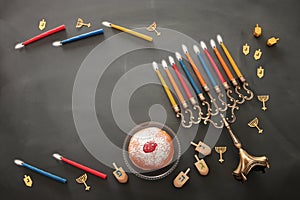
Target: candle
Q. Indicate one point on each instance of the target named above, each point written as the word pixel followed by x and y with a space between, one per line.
pixel 189 76
pixel 40 36
pixel 210 76
pixel 140 35
pixel 186 89
pixel 229 57
pixel 200 78
pixel 178 92
pixel 78 37
pixel 79 166
pixel 203 45
pixel 40 171
pixel 166 88
pixel 224 65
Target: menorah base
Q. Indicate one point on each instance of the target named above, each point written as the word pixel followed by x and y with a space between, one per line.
pixel 247 163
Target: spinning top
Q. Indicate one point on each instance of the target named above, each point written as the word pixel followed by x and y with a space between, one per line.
pixel 42 24
pixel 260 72
pixel 181 178
pixel 272 41
pixel 201 166
pixel 27 180
pixel 257 54
pixel 246 49
pixel 120 174
pixel 202 148
pixel 257 31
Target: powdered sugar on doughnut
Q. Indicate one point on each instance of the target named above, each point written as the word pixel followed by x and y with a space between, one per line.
pixel 160 157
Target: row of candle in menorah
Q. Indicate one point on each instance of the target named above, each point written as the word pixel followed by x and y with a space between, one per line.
pixel 211 106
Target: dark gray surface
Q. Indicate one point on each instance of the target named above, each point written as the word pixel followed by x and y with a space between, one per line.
pixel 36 96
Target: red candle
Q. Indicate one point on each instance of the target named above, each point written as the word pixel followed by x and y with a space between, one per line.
pixel 186 89
pixel 40 36
pixel 80 166
pixel 203 45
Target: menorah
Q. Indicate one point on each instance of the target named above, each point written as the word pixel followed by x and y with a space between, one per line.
pixel 83 179
pixel 247 162
pixel 80 23
pixel 220 151
pixel 254 124
pixel 263 99
pixel 152 27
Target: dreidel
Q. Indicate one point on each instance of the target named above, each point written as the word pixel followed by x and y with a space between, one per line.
pixel 120 174
pixel 246 49
pixel 181 178
pixel 202 148
pixel 27 180
pixel 272 41
pixel 257 54
pixel 201 166
pixel 257 31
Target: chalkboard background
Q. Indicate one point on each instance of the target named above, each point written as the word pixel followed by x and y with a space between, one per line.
pixel 36 86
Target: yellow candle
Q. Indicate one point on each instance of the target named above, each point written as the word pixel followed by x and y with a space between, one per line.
pixel 166 88
pixel 232 62
pixel 140 35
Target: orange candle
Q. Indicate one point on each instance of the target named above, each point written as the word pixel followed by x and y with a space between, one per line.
pixel 224 65
pixel 178 92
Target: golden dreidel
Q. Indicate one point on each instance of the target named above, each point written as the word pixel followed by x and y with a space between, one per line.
pixel 272 41
pixel 120 174
pixel 202 148
pixel 201 166
pixel 42 24
pixel 27 180
pixel 257 31
pixel 260 72
pixel 246 49
pixel 257 54
pixel 181 178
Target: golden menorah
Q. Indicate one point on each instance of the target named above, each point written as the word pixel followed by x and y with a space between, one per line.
pixel 220 151
pixel 263 99
pixel 80 23
pixel 254 124
pixel 152 27
pixel 83 179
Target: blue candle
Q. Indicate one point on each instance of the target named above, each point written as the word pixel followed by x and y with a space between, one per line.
pixel 211 78
pixel 78 37
pixel 188 74
pixel 35 169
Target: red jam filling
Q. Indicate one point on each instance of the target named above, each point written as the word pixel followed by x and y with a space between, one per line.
pixel 149 147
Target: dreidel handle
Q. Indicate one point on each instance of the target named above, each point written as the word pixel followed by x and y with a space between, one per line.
pixel 187 171
pixel 194 144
